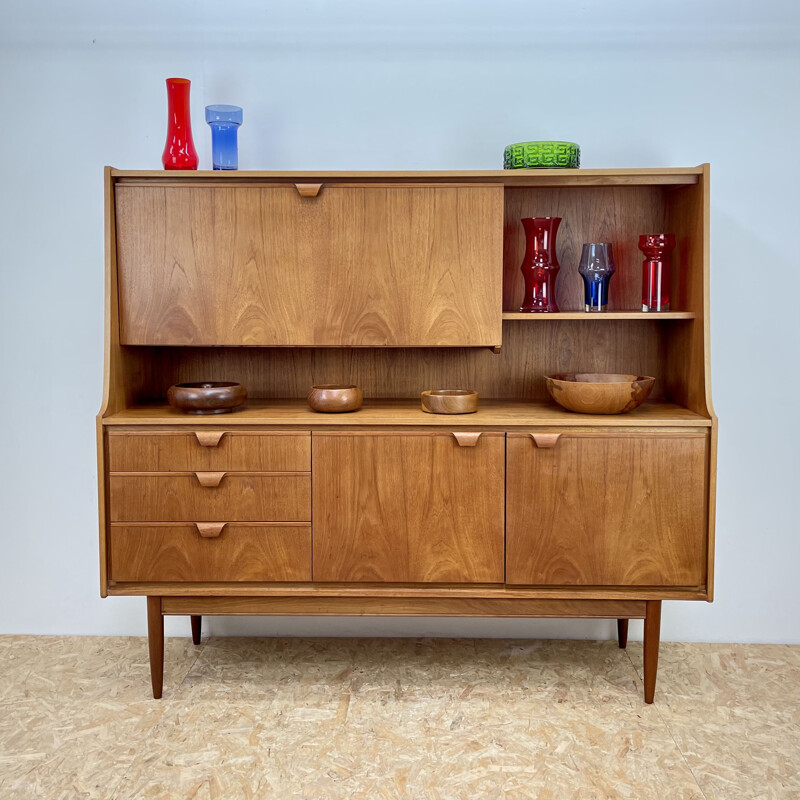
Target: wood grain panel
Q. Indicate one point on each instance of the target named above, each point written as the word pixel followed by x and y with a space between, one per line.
pixel 410 266
pixel 405 607
pixel 239 553
pixel 240 497
pixel 384 265
pixel 215 266
pixel 407 508
pixel 615 214
pixel 612 509
pixel 252 451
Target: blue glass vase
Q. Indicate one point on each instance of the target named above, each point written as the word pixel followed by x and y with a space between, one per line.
pixel 224 122
pixel 596 268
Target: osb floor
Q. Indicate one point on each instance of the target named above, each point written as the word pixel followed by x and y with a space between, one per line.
pixel 389 718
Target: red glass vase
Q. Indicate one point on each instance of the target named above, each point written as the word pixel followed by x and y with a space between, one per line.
pixel 657 248
pixel 179 152
pixel 540 266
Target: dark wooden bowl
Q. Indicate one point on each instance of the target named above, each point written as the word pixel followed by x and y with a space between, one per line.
pixel 599 393
pixel 450 401
pixel 333 398
pixel 208 397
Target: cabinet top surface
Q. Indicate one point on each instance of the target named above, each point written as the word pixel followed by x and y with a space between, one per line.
pixel 520 177
pixel 407 413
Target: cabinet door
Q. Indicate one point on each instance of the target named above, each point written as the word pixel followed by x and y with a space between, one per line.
pixel 411 266
pixel 407 508
pixel 215 266
pixel 615 509
pixel 399 265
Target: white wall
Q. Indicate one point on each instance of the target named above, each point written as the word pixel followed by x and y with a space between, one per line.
pixel 394 85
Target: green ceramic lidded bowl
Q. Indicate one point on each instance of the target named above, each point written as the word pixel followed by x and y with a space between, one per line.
pixel 542 155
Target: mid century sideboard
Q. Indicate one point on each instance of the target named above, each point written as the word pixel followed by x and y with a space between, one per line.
pixel 399 282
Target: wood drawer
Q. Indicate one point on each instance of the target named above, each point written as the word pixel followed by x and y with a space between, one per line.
pixel 249 552
pixel 249 451
pixel 237 497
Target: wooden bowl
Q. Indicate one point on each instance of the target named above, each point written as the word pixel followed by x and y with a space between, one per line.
pixel 450 401
pixel 599 393
pixel 207 397
pixel 334 398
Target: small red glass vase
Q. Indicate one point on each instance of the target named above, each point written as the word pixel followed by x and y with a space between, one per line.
pixel 540 266
pixel 657 249
pixel 179 152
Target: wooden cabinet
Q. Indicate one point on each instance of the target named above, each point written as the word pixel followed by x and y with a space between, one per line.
pixel 369 265
pixel 400 282
pixel 408 508
pixel 607 509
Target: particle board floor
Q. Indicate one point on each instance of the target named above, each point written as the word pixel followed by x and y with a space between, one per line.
pixel 396 718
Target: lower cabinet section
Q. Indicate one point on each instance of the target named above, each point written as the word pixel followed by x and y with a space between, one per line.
pixel 208 552
pixel 607 509
pixel 411 507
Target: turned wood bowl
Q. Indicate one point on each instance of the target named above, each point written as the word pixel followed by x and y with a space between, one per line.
pixel 334 398
pixel 450 401
pixel 207 397
pixel 598 392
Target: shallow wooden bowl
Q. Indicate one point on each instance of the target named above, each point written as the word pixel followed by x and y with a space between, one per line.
pixel 334 398
pixel 207 397
pixel 449 401
pixel 597 392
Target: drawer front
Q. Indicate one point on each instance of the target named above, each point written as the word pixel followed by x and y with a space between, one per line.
pixel 238 497
pixel 192 451
pixel 237 552
pixel 593 509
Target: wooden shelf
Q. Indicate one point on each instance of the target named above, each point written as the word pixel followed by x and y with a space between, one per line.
pixel 407 412
pixel 605 315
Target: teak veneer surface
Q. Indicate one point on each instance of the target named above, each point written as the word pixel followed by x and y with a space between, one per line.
pixel 405 607
pixel 613 510
pixel 408 508
pixel 241 552
pixel 239 497
pixel 371 266
pixel 402 413
pixel 248 451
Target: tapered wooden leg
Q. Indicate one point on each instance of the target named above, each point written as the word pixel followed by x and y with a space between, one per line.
pixel 622 632
pixel 155 640
pixel 197 624
pixel 652 634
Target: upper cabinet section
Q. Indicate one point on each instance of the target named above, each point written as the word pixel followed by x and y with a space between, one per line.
pixel 358 264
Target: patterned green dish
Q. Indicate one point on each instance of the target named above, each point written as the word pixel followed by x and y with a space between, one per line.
pixel 542 155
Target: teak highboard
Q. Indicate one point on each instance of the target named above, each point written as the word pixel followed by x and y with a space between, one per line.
pixel 399 282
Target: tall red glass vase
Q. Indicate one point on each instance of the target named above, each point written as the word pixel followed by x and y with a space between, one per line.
pixel 179 152
pixel 657 249
pixel 540 266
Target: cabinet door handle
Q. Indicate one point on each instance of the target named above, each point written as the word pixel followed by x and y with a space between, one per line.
pixel 210 530
pixel 467 438
pixel 308 189
pixel 209 438
pixel 210 478
pixel 545 439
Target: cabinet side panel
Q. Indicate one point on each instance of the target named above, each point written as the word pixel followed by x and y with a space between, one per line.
pixel 687 368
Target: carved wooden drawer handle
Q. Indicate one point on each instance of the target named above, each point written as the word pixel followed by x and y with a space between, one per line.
pixel 210 530
pixel 467 438
pixel 210 478
pixel 209 438
pixel 308 189
pixel 545 439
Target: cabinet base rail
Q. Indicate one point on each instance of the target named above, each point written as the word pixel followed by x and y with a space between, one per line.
pixel 195 607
